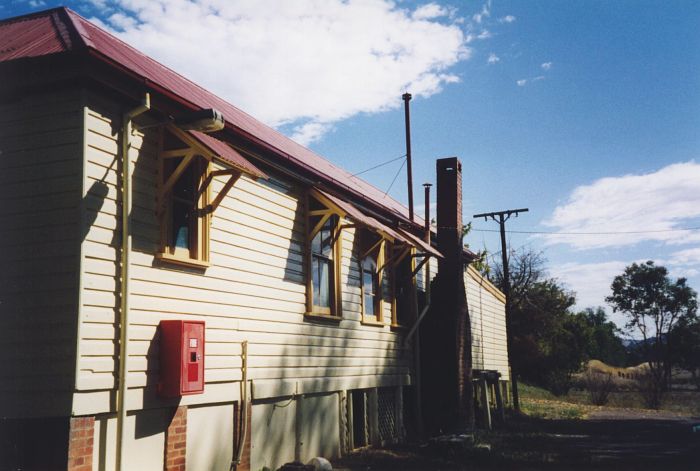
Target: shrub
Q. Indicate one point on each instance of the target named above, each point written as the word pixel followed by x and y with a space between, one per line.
pixel 652 390
pixel 599 386
pixel 558 382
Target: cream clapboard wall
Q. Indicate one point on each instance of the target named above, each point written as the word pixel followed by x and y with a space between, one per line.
pixel 40 176
pixel 254 291
pixel 488 319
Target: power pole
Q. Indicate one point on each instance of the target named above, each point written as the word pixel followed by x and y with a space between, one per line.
pixel 501 217
pixel 409 165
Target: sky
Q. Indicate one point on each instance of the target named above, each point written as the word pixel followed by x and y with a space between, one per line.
pixel 587 112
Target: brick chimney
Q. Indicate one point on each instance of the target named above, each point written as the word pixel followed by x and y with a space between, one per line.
pixel 445 333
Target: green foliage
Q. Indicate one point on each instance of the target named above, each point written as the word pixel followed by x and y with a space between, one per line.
pixel 604 343
pixel 547 341
pixel 654 306
pixel 652 303
pixel 684 346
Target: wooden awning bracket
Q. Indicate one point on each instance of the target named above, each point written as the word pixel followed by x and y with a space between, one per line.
pixel 371 249
pixel 396 259
pixel 419 266
pixel 170 182
pixel 318 226
pixel 234 176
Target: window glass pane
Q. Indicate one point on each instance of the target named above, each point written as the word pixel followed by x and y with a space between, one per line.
pixel 403 291
pixel 367 282
pixel 326 239
pixel 324 295
pixel 321 243
pixel 315 279
pixel 185 186
pixel 181 225
pixel 369 304
pixel 316 243
pixel 321 281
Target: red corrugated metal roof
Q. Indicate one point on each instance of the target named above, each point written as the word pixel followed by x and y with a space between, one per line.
pixel 360 217
pixel 228 154
pixel 32 36
pixel 51 31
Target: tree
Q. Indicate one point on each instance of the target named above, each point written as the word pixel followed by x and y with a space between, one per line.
pixel 549 342
pixel 653 305
pixel 684 343
pixel 605 343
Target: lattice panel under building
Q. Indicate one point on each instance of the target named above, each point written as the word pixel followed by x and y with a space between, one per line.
pixel 386 411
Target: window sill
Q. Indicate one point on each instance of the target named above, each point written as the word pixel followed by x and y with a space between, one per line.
pixel 185 262
pixel 398 328
pixel 314 316
pixel 372 323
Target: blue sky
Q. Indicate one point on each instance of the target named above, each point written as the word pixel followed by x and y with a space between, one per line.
pixel 587 112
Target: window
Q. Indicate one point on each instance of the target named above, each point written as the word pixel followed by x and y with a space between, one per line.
pixel 370 287
pixel 322 260
pixel 322 272
pixel 371 258
pixel 183 197
pixel 403 287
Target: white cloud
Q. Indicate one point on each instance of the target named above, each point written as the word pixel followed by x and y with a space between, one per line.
pixel 431 11
pixel 37 3
pixel 483 14
pixel 538 78
pixel 311 131
pixel 546 66
pixel 684 263
pixel 484 34
pixel 493 58
pixel 507 19
pixel 590 281
pixel 303 64
pixel 686 257
pixel 648 207
pixel 521 82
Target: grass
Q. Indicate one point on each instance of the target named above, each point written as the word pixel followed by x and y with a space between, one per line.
pixel 540 403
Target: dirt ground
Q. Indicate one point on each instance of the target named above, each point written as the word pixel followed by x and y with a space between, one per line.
pixel 610 439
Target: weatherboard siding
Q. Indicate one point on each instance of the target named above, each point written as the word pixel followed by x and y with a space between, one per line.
pixel 40 167
pixel 487 314
pixel 254 290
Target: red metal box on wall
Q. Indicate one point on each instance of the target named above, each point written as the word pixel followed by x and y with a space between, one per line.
pixel 181 358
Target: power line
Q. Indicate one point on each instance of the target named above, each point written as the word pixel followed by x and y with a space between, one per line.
pixel 377 166
pixel 591 233
pixel 395 177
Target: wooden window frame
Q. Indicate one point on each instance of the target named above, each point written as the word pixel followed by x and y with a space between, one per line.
pixel 404 252
pixel 197 255
pixel 378 248
pixel 334 311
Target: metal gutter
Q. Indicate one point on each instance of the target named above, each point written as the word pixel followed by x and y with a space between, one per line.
pixel 257 141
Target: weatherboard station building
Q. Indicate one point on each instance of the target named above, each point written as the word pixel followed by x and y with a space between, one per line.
pixel 223 296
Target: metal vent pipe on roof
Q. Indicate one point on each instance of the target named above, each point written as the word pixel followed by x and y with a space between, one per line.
pixel 409 167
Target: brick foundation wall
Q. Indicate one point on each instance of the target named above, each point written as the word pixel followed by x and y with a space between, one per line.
pixel 176 441
pixel 80 443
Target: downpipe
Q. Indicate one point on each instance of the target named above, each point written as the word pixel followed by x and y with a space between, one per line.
pixel 124 272
pixel 236 461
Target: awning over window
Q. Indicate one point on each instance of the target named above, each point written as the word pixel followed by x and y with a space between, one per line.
pixel 227 154
pixel 421 244
pixel 348 209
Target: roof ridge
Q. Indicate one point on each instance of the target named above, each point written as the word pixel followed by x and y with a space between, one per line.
pixel 28 16
pixel 78 24
pixel 74 32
